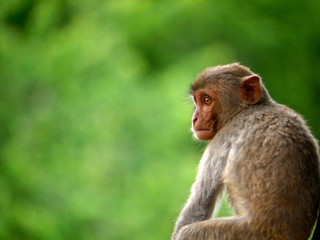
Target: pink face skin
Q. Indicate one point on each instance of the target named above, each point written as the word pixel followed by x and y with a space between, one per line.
pixel 204 120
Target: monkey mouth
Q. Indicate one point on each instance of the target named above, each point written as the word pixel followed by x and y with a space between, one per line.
pixel 201 130
pixel 203 134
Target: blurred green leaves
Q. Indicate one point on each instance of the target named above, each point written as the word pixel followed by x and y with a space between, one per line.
pixel 94 111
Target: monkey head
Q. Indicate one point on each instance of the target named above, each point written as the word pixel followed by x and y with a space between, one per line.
pixel 220 93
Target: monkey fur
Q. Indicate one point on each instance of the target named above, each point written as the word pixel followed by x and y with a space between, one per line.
pixel 263 155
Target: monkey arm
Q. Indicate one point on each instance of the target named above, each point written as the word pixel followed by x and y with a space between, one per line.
pixel 204 193
pixel 199 206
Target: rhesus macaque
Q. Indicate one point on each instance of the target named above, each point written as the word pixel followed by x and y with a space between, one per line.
pixel 261 152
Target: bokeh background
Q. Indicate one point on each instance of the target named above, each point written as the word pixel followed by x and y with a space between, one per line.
pixel 95 138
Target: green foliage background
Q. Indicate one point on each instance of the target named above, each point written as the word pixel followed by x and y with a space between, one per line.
pixel 94 111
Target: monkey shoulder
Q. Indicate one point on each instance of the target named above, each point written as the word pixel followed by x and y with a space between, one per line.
pixel 276 133
pixel 279 123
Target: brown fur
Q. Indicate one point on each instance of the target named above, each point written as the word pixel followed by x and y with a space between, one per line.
pixel 262 153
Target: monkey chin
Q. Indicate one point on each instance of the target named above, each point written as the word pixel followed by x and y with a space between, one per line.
pixel 204 135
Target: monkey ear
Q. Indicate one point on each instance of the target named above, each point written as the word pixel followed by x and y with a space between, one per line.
pixel 250 91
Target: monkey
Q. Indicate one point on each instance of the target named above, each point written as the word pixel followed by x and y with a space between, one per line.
pixel 260 152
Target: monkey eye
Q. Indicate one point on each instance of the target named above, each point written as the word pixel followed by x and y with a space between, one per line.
pixel 207 100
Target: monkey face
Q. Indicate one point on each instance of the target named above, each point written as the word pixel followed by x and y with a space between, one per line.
pixel 205 117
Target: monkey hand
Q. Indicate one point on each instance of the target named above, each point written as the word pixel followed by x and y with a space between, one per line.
pixel 193 231
pixel 182 234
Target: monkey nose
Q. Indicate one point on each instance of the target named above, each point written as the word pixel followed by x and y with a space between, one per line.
pixel 194 120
